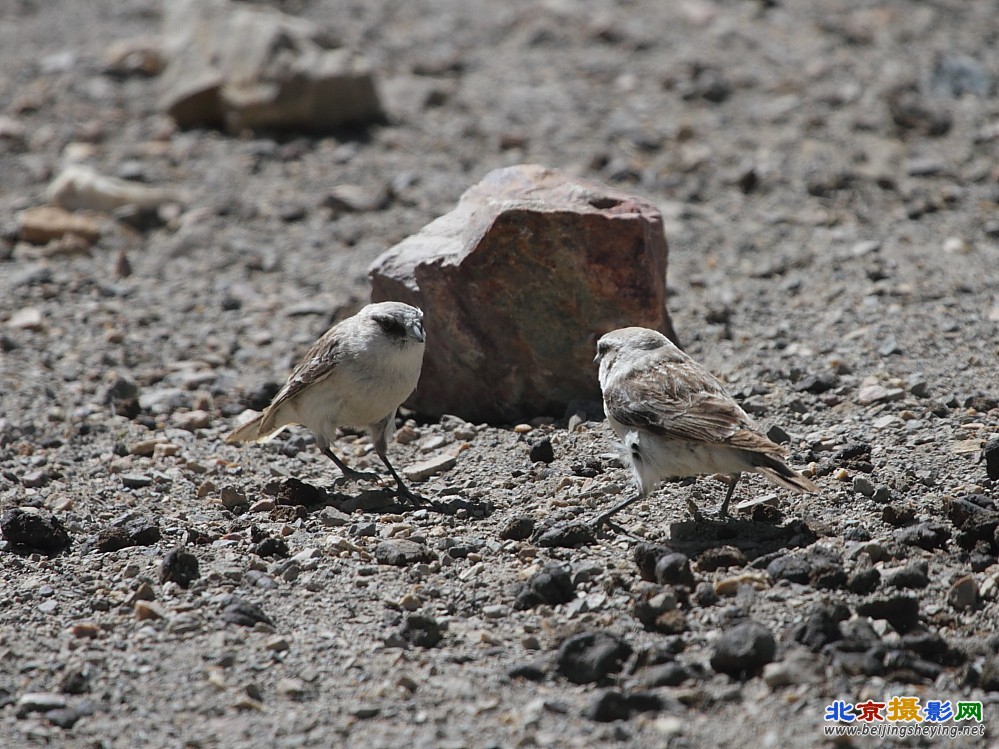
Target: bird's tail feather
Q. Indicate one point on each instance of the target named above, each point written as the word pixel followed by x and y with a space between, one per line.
pixel 795 482
pixel 252 431
pixel 780 474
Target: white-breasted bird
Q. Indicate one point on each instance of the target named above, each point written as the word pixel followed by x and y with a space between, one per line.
pixel 675 419
pixel 356 375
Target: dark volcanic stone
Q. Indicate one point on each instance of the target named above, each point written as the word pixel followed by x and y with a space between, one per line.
pixel 790 567
pixel 660 613
pixel 743 649
pixel 529 671
pixel 34 529
pixel 644 702
pixel 863 580
pixel 609 705
pixel 646 557
pixel 612 704
pixel 674 569
pixel 670 674
pixel 902 612
pixel 852 453
pixel 591 656
pixel 931 646
pixel 270 547
pixel 113 538
pixel 142 531
pixel 704 594
pixel 898 515
pixel 827 573
pixel 721 557
pixel 975 518
pixel 542 451
pixel 822 626
pixel 401 553
pixel 927 536
pixel 65 717
pixel 817 383
pixel 567 536
pixel 981 402
pixel 551 585
pixel 123 398
pixel 294 492
pixel 74 681
pixel 778 435
pixel 181 567
pixel 901 664
pixel 244 613
pixel 517 528
pixel 421 630
pixel 913 575
pixel 991 456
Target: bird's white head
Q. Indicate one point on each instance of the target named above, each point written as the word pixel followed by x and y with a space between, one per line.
pixel 625 345
pixel 400 323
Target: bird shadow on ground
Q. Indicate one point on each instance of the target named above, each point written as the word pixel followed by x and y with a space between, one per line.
pixel 297 493
pixel 386 500
pixel 752 537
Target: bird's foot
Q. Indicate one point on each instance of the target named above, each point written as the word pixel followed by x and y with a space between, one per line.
pixel 603 522
pixel 404 492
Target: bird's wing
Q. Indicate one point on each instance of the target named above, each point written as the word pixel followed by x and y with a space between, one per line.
pixel 680 401
pixel 318 364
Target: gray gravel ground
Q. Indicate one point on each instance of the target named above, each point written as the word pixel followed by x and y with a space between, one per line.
pixel 832 205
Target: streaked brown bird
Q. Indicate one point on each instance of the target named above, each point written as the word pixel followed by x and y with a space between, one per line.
pixel 675 419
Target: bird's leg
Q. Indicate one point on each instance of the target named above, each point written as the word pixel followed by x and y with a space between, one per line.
pixel 349 474
pixel 723 510
pixel 379 432
pixel 604 517
pixel 401 489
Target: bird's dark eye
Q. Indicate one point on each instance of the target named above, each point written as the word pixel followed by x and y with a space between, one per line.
pixel 391 326
pixel 602 348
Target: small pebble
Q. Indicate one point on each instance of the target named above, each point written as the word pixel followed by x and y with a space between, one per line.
pixel 743 648
pixel 588 657
pixel 426 468
pixel 863 485
pixel 290 688
pixel 517 528
pixel 277 644
pixel 135 480
pixel 148 610
pixel 542 451
pixel 410 602
pixel 963 594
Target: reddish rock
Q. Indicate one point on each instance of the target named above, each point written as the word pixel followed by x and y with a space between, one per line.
pixel 518 282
